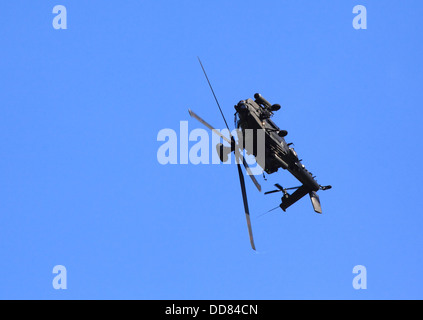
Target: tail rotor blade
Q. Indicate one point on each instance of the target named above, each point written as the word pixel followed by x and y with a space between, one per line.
pixel 277 185
pixel 273 191
pixel 247 211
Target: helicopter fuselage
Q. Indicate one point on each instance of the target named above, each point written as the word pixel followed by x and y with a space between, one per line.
pixel 256 115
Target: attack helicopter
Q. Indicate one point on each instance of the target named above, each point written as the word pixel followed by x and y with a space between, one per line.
pixel 256 114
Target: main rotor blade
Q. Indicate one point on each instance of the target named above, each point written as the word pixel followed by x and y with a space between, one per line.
pixel 214 95
pixel 194 115
pixel 247 211
pixel 250 174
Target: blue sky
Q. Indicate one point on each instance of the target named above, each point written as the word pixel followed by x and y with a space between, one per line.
pixel 81 185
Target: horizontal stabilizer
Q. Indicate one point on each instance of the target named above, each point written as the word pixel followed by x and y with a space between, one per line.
pixel 315 201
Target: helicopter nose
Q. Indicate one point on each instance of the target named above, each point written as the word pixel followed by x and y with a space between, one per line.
pixel 240 107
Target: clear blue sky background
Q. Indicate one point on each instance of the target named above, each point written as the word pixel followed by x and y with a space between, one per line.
pixel 80 184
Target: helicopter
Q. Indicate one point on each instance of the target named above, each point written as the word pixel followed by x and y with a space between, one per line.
pixel 256 114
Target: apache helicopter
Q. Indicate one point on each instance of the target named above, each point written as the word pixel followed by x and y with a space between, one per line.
pixel 256 114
